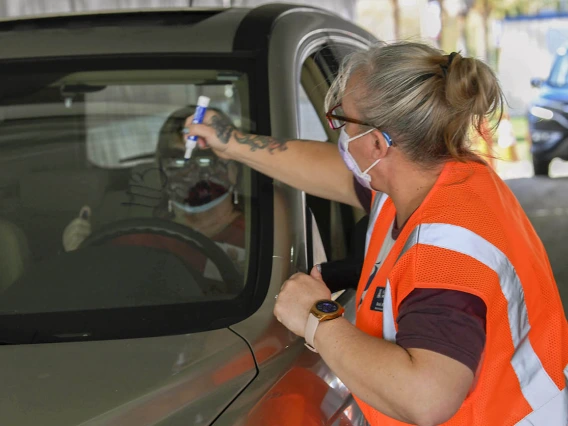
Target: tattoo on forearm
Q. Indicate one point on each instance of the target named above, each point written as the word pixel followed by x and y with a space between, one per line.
pixel 225 130
pixel 223 127
pixel 262 142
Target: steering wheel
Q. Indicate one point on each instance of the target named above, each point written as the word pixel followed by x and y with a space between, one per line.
pixel 231 276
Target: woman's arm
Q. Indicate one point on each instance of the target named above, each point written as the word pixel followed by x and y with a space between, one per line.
pixel 416 386
pixel 314 167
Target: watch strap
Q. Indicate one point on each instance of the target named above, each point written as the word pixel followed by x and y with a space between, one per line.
pixel 310 333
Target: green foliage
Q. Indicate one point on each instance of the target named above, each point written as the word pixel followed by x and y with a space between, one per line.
pixel 502 8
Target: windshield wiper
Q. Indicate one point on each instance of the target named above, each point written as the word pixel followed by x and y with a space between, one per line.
pixel 11 337
pixel 16 337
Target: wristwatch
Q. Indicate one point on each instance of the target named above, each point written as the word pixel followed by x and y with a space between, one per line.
pixel 322 310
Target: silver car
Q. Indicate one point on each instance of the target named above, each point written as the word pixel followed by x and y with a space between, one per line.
pixel 152 316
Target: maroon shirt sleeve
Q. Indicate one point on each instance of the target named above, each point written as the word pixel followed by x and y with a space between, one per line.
pixel 448 322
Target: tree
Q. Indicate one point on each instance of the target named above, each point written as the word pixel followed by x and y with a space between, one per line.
pixel 396 18
pixel 486 7
pixel 443 20
pixel 464 14
pixel 498 9
pixel 450 25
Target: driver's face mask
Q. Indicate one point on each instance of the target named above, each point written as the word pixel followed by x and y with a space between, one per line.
pixel 197 186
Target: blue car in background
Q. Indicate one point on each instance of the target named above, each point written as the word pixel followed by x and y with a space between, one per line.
pixel 548 116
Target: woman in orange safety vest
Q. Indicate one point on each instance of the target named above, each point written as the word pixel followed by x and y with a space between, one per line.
pixel 459 319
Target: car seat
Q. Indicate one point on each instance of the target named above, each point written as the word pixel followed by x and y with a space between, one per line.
pixel 50 199
pixel 145 190
pixel 14 253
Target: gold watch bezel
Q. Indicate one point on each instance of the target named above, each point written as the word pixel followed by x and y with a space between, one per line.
pixel 325 316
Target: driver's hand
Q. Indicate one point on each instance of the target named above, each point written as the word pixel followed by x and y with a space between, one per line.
pixel 78 230
pixel 217 132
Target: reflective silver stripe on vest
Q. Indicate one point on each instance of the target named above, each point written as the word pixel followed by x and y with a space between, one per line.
pixel 389 331
pixel 376 208
pixel 538 388
pixel 554 412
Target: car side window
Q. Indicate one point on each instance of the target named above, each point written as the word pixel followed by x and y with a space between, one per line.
pixel 311 127
pixel 334 220
pixel 559 74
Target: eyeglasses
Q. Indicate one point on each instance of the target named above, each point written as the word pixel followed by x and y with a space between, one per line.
pixel 337 119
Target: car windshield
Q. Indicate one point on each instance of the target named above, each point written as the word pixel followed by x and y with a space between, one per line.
pixel 99 210
pixel 559 73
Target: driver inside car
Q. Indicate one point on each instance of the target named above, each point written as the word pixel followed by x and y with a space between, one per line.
pixel 200 194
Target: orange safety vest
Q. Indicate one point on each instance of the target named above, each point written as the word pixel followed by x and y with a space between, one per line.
pixel 471 234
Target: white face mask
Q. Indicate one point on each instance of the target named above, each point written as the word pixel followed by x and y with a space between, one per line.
pixel 204 207
pixel 362 176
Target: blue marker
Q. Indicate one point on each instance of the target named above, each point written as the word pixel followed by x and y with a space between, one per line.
pixel 191 141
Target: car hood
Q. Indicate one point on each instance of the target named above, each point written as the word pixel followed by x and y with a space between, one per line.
pixel 189 379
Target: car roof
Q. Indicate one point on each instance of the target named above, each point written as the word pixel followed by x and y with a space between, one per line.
pixel 184 30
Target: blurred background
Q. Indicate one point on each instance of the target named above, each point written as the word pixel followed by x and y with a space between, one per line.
pixel 519 39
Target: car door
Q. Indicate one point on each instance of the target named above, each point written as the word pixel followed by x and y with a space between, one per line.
pixel 330 230
pixel 306 392
pixel 328 223
pixel 294 386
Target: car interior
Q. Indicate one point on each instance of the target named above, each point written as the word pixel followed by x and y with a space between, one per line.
pixel 89 138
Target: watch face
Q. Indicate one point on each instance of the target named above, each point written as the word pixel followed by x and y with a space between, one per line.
pixel 327 307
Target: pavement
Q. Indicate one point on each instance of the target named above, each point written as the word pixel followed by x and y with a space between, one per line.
pixel 545 201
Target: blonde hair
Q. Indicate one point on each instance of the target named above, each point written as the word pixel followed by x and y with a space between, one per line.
pixel 426 100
